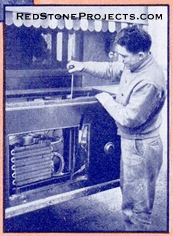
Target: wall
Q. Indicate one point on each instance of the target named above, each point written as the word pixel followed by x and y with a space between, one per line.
pixel 95 50
pixel 158 29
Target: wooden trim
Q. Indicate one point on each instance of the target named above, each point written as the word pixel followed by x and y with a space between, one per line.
pixel 36 73
pixel 52 200
pixel 44 92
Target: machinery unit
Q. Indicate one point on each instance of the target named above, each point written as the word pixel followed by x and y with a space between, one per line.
pixel 60 143
pixel 56 147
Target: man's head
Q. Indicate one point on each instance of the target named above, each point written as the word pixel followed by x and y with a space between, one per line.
pixel 133 44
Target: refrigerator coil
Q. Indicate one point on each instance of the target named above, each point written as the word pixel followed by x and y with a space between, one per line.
pixel 31 163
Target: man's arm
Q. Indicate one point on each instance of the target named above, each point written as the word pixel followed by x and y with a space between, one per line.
pixel 143 102
pixel 104 69
pixel 99 69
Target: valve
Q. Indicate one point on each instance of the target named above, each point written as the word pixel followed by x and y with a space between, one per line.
pixel 109 148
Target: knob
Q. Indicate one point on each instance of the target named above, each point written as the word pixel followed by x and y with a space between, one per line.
pixel 109 148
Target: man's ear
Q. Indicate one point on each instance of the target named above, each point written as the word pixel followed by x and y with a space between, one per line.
pixel 142 55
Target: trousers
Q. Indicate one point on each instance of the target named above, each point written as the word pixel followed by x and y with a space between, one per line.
pixel 141 160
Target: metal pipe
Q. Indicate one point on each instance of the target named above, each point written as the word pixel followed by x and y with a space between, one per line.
pixel 72 86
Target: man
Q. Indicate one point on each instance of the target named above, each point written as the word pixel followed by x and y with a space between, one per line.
pixel 137 113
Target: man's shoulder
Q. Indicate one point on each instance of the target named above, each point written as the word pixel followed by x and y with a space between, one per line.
pixel 154 75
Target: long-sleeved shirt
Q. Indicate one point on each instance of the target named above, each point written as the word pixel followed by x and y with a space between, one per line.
pixel 141 95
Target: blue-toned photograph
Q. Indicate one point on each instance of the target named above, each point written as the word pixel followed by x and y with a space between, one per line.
pixel 86 119
pixel 4 3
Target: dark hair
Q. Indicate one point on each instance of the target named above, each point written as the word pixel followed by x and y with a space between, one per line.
pixel 134 39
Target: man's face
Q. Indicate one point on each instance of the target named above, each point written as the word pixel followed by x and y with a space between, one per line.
pixel 129 59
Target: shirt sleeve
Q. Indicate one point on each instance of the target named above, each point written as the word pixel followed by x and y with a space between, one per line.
pixel 104 69
pixel 142 104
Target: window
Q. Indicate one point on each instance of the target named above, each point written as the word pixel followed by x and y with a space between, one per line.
pixel 30 48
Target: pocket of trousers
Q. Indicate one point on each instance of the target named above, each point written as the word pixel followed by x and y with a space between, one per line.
pixel 132 151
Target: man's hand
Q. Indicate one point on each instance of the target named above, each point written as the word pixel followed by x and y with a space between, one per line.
pixel 103 98
pixel 75 66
